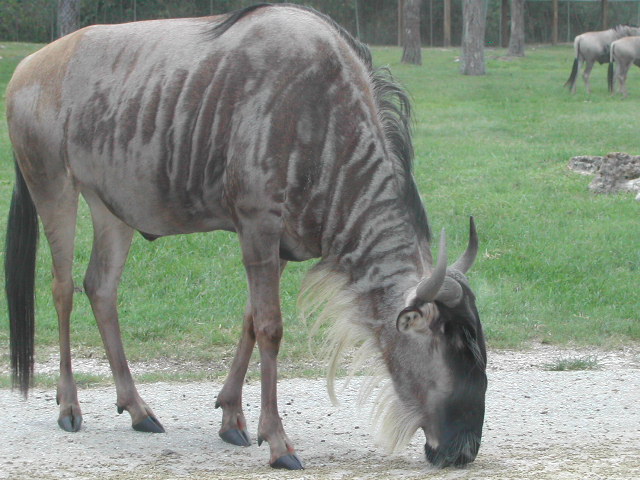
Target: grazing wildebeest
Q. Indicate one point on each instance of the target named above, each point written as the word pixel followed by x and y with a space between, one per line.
pixel 624 52
pixel 594 46
pixel 272 123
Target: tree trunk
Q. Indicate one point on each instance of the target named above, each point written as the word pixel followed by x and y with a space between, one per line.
pixel 516 40
pixel 604 14
pixel 68 12
pixel 411 52
pixel 554 24
pixel 446 27
pixel 474 22
pixel 400 23
pixel 504 23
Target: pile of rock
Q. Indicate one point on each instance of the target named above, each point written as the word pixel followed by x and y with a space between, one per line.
pixel 615 172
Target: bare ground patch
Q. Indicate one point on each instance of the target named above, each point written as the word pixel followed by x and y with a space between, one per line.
pixel 539 424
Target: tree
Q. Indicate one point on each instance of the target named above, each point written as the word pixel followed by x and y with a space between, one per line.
pixel 68 14
pixel 504 23
pixel 411 52
pixel 604 14
pixel 554 23
pixel 516 40
pixel 474 22
pixel 446 28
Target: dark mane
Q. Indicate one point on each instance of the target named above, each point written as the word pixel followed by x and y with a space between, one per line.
pixel 394 109
pixel 623 29
pixel 233 17
pixel 619 29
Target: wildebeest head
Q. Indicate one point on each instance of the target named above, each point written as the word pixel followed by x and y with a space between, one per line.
pixel 438 361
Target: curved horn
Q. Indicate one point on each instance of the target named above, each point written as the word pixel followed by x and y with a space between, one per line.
pixel 450 293
pixel 464 263
pixel 429 287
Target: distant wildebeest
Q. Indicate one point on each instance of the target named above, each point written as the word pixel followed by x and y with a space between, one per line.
pixel 624 52
pixel 594 46
pixel 272 123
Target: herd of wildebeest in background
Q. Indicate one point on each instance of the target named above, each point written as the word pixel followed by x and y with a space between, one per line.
pixel 618 46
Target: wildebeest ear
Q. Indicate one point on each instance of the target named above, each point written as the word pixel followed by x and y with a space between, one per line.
pixel 421 319
pixel 411 320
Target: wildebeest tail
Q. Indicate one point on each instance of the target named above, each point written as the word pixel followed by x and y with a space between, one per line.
pixel 574 70
pixel 19 270
pixel 610 79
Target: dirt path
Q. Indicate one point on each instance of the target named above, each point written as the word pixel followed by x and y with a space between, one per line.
pixel 539 425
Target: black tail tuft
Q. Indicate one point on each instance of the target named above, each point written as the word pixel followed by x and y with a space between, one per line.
pixel 572 78
pixel 19 270
pixel 610 80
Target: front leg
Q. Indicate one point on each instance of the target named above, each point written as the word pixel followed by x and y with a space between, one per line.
pixel 234 424
pixel 262 264
pixel 270 427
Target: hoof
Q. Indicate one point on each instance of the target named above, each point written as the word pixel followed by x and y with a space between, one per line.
pixel 236 437
pixel 70 423
pixel 289 462
pixel 149 424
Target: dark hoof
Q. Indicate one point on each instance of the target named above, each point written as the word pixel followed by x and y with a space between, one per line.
pixel 289 462
pixel 70 424
pixel 236 437
pixel 149 424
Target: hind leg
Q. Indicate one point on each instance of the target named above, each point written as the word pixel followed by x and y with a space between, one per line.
pixel 587 75
pixel 575 80
pixel 617 80
pixel 623 70
pixel 59 220
pixel 111 242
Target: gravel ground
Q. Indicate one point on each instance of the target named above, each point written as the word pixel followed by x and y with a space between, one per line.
pixel 539 424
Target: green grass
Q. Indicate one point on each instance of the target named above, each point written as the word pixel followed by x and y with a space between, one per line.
pixel 573 364
pixel 557 264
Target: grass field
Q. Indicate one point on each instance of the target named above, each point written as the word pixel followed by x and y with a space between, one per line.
pixel 558 264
